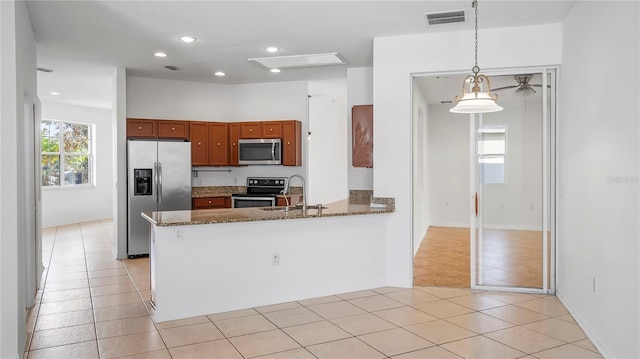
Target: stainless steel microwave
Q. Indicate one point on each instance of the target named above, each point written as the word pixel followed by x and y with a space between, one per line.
pixel 265 151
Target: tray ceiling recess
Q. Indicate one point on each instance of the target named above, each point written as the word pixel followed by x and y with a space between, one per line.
pixel 284 62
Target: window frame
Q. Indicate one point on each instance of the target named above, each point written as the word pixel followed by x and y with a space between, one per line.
pixel 91 148
pixel 492 154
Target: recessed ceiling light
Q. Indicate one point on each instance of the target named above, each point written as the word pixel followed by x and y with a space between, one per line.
pixel 275 70
pixel 272 49
pixel 160 54
pixel 54 93
pixel 219 74
pixel 188 39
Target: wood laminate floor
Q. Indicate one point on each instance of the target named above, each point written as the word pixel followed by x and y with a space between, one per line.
pixel 509 258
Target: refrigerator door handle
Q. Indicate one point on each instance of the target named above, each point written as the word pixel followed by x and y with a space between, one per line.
pixel 159 182
pixel 155 181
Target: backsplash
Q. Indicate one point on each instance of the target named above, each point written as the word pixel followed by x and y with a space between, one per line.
pixel 237 176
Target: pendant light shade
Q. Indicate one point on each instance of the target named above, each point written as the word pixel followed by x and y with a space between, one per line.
pixel 473 99
pixel 476 101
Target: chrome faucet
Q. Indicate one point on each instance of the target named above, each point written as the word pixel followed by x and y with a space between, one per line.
pixel 287 190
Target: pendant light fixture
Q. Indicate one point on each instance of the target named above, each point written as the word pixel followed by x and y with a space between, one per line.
pixel 474 100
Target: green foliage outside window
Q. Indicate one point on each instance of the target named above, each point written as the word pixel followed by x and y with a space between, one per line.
pixel 66 153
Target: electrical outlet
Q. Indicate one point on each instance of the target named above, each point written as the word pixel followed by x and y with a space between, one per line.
pixel 178 233
pixel 595 285
pixel 275 259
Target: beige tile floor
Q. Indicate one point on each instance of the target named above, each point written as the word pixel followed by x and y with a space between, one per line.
pixel 93 306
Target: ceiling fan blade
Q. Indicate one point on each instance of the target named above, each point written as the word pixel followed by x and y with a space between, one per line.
pixel 504 88
pixel 538 85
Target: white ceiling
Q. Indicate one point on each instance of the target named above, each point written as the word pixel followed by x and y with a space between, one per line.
pixel 83 41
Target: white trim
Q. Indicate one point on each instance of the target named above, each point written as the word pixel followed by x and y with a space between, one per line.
pixel 545 184
pixel 472 194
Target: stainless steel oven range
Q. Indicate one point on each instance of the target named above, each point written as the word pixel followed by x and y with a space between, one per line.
pixel 261 192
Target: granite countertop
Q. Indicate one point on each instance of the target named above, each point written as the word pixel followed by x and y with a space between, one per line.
pixel 211 216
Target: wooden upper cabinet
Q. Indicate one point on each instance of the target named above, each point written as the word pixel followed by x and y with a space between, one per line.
pixel 271 129
pixel 250 130
pixel 139 128
pixel 234 135
pixel 362 136
pixel 218 144
pixel 173 129
pixel 199 137
pixel 291 143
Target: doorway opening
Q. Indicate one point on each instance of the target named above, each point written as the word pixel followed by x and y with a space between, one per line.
pixel 484 184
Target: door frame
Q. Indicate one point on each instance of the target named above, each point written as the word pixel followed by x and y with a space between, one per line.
pixel 550 202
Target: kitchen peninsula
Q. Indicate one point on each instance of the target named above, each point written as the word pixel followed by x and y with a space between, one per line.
pixel 217 260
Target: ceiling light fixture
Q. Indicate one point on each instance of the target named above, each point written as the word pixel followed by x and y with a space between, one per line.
pixel 285 62
pixel 476 101
pixel 275 70
pixel 54 93
pixel 160 54
pixel 188 39
pixel 272 49
pixel 219 74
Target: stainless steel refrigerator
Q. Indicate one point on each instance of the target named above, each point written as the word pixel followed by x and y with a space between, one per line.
pixel 158 179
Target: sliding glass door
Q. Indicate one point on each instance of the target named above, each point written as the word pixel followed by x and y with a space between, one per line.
pixel 512 166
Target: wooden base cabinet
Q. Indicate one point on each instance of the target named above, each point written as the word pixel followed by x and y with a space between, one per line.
pixel 211 202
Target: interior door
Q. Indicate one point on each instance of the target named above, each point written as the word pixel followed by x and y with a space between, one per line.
pixel 511 212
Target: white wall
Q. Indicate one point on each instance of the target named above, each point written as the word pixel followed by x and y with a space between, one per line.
pixel 178 100
pixel 17 87
pixel 421 173
pixel 119 151
pixel 396 59
pixel 448 148
pixel 328 150
pixel 599 144
pixel 72 205
pixel 359 92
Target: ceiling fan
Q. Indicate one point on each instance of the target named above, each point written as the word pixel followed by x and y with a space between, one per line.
pixel 523 88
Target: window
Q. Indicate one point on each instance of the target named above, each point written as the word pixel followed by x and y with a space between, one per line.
pixel 492 145
pixel 67 153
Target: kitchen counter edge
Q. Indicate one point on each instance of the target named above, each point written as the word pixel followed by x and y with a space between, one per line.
pixel 378 205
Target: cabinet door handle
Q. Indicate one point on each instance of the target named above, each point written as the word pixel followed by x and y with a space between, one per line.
pixel 251 130
pixel 199 143
pixel 271 130
pixel 218 143
pixel 173 128
pixel 139 127
pixel 234 143
pixel 288 142
pixel 209 202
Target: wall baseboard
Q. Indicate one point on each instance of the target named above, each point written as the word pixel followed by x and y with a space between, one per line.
pixel 597 342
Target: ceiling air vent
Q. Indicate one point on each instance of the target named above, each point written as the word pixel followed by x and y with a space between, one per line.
pixel 173 68
pixel 449 17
